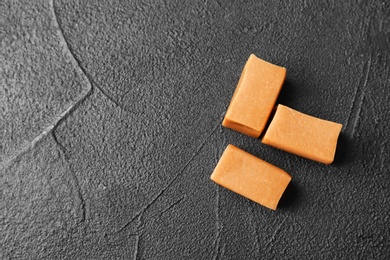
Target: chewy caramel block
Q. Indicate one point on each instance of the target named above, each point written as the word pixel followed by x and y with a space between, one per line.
pixel 254 97
pixel 303 135
pixel 251 177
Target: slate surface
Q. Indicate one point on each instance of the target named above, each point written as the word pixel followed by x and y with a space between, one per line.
pixel 118 167
pixel 39 81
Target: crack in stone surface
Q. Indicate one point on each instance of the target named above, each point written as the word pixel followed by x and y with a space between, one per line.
pixel 172 206
pixel 75 180
pixel 77 62
pixel 162 191
pixel 58 119
pixel 357 101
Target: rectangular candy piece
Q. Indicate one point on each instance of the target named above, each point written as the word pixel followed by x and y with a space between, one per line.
pixel 303 135
pixel 251 177
pixel 254 97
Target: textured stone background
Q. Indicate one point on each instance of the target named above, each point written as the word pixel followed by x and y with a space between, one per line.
pixel 110 129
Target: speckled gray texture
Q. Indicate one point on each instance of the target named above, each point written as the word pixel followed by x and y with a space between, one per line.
pixel 39 80
pixel 125 173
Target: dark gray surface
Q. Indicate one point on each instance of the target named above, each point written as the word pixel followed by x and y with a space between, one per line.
pixel 40 81
pixel 122 170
